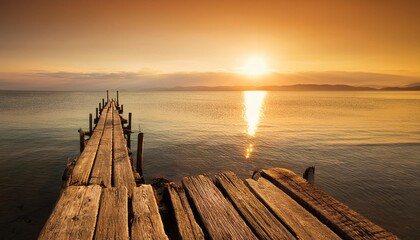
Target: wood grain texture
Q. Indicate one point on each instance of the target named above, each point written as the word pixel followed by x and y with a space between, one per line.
pixel 83 167
pixel 344 221
pixel 303 223
pixel 75 214
pixel 147 223
pixel 113 214
pixel 264 224
pixel 123 171
pixel 102 167
pixel 185 220
pixel 219 217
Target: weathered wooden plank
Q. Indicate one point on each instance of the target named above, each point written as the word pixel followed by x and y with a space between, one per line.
pixel 102 167
pixel 82 169
pixel 185 220
pixel 74 216
pixel 219 217
pixel 123 171
pixel 264 224
pixel 303 223
pixel 85 221
pixel 344 221
pixel 147 223
pixel 113 214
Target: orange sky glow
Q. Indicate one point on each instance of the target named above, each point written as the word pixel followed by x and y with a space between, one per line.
pixel 171 43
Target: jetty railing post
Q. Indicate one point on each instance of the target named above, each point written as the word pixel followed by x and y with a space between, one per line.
pixel 90 123
pixel 107 96
pixel 100 109
pixel 129 121
pixel 97 116
pixel 103 103
pixel 122 108
pixel 139 165
pixel 118 101
pixel 82 139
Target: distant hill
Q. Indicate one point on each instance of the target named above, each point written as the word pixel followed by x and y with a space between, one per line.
pixel 414 88
pixel 297 87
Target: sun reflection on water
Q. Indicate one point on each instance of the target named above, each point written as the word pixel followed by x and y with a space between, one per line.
pixel 253 104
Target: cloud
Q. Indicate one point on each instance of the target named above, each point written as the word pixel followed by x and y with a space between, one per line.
pixel 88 81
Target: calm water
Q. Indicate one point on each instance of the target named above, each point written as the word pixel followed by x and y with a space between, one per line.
pixel 365 145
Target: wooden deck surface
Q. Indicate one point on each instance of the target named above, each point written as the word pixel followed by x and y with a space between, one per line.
pixel 102 201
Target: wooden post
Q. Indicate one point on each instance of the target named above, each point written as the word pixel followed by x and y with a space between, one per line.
pixel 103 103
pixel 139 164
pixel 129 141
pixel 82 139
pixel 129 121
pixel 118 101
pixel 90 124
pixel 97 116
pixel 100 109
pixel 107 96
pixel 122 109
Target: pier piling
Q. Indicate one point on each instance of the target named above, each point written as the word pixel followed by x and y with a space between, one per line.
pixel 82 139
pixel 97 116
pixel 90 124
pixel 118 101
pixel 139 165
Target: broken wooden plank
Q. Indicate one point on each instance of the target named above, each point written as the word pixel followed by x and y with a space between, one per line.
pixel 147 223
pixel 219 217
pixel 123 171
pixel 113 214
pixel 344 221
pixel 185 220
pixel 264 224
pixel 303 224
pixel 83 167
pixel 74 216
pixel 102 167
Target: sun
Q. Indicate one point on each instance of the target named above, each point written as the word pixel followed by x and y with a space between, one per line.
pixel 254 67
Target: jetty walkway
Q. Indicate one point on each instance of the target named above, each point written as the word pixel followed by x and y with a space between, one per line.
pixel 104 197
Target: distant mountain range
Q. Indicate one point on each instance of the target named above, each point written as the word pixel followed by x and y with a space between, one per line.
pixel 297 87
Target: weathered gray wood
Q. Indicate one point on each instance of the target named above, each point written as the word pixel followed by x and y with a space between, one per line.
pixel 344 221
pixel 74 216
pixel 185 220
pixel 219 217
pixel 113 214
pixel 102 167
pixel 140 153
pixel 85 221
pixel 303 223
pixel 83 166
pixel 123 171
pixel 264 224
pixel 147 223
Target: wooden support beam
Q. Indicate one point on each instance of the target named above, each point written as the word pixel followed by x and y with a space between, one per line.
pixel 264 224
pixel 139 165
pixel 147 223
pixel 301 222
pixel 113 214
pixel 118 100
pixel 344 221
pixel 81 139
pixel 219 217
pixel 90 124
pixel 103 102
pixel 97 116
pixel 107 96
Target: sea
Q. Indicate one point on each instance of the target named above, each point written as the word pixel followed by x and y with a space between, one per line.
pixel 365 145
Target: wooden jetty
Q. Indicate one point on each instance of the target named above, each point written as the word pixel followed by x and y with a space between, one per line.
pixel 104 197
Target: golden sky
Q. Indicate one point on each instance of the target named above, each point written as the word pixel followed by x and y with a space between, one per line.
pixel 162 37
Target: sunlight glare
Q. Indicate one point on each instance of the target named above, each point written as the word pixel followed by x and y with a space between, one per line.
pixel 254 66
